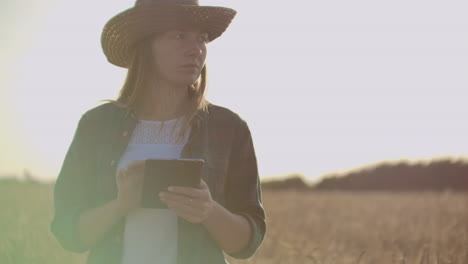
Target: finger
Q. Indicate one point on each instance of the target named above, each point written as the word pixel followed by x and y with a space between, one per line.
pixel 136 166
pixel 135 170
pixel 184 209
pixel 187 191
pixel 195 210
pixel 203 184
pixel 182 200
pixel 122 174
pixel 188 217
pixel 119 178
pixel 130 179
pixel 139 176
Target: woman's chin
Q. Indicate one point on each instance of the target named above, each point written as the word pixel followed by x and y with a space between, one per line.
pixel 187 81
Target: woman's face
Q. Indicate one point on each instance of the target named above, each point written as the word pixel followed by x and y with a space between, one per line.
pixel 179 56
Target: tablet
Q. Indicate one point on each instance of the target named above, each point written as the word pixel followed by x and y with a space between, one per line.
pixel 162 173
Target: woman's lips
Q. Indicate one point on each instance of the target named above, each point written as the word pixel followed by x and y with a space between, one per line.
pixel 190 66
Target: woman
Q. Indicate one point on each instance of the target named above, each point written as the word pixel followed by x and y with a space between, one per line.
pixel 161 113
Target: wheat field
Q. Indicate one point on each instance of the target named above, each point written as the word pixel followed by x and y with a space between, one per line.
pixel 303 227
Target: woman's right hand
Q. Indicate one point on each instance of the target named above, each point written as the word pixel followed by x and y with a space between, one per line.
pixel 130 186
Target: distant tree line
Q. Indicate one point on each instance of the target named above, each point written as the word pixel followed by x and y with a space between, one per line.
pixel 437 175
pixel 404 176
pixel 290 182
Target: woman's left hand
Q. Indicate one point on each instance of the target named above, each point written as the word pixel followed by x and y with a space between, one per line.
pixel 192 204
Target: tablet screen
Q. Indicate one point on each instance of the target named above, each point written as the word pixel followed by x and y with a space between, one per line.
pixel 162 173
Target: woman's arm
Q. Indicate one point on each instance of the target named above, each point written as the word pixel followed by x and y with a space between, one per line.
pixel 76 224
pixel 72 187
pixel 240 227
pixel 232 232
pixel 94 223
pixel 243 190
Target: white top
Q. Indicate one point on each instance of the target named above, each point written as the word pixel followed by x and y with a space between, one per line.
pixel 150 235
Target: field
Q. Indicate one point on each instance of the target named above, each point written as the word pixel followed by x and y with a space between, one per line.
pixel 303 227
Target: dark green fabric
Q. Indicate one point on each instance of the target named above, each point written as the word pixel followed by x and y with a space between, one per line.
pixel 87 180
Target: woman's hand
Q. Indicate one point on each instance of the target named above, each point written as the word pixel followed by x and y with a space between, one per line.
pixel 130 185
pixel 192 204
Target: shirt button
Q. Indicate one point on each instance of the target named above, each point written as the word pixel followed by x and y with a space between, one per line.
pixel 112 163
pixel 125 133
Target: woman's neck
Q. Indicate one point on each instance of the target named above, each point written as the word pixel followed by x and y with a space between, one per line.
pixel 164 103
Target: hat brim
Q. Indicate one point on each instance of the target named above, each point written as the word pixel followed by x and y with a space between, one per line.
pixel 126 29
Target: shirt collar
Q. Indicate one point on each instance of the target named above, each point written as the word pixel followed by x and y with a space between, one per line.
pixel 200 115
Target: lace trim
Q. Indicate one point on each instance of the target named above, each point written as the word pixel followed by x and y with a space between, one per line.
pixel 158 132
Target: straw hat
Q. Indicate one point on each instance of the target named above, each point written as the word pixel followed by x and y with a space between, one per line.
pixel 149 17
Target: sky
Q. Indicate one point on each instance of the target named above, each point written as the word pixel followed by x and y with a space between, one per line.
pixel 325 86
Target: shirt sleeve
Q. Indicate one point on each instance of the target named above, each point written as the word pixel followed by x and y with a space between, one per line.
pixel 72 188
pixel 243 190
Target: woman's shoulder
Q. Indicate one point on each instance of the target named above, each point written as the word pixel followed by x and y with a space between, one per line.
pixel 107 110
pixel 226 119
pixel 225 114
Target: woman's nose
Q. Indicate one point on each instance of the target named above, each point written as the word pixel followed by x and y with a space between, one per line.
pixel 195 52
pixel 195 49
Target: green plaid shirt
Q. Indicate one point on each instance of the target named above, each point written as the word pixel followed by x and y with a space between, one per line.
pixel 87 180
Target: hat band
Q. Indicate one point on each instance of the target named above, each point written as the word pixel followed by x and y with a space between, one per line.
pixel 167 2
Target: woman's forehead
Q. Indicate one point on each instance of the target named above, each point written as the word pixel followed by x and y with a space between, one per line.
pixel 187 30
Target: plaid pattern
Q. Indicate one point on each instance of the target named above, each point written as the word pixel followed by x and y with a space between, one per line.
pixel 87 180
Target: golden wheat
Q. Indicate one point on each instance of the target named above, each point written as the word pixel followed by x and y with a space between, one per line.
pixel 303 227
pixel 377 228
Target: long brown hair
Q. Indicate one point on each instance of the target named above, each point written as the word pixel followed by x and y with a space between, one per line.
pixel 139 78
